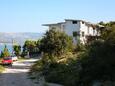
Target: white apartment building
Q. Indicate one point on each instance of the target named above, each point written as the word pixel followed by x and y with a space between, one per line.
pixel 78 29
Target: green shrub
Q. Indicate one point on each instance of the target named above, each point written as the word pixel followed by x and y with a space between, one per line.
pixel 80 47
pixel 5 52
pixel 1 69
pixel 95 63
pixel 17 50
pixel 56 43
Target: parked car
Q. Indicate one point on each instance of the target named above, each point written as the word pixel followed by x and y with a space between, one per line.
pixel 14 58
pixel 7 61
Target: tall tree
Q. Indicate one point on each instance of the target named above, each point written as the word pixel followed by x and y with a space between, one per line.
pixel 5 52
pixel 55 43
pixel 17 50
pixel 31 47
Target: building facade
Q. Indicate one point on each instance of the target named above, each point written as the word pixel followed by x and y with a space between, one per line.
pixel 78 29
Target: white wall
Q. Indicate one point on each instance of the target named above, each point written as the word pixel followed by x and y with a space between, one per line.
pixel 57 27
pixel 88 30
pixel 70 27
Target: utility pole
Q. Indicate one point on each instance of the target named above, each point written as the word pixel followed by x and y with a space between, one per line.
pixel 12 47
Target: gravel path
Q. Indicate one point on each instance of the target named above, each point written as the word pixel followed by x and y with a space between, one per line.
pixel 17 74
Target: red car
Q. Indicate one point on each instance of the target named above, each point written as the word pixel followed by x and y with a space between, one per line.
pixel 7 61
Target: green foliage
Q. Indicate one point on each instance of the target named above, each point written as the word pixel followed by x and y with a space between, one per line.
pixel 5 52
pixel 17 50
pixel 55 43
pixel 95 63
pixel 32 47
pixel 1 55
pixel 60 73
pixel 108 29
pixel 98 61
pixel 80 48
pixel 102 23
pixel 1 69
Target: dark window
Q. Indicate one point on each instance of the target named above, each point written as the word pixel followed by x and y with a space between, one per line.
pixel 93 31
pixel 83 34
pixel 74 22
pixel 75 34
pixel 93 28
pixel 82 22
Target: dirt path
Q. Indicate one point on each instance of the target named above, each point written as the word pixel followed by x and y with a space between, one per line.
pixel 17 74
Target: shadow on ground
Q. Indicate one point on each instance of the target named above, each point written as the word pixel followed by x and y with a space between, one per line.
pixel 16 79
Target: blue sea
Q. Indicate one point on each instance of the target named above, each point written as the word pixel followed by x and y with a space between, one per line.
pixel 9 46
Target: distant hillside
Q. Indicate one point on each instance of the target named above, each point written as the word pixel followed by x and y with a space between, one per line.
pixel 19 37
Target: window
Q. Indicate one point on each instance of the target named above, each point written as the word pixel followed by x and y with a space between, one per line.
pixel 75 34
pixel 82 22
pixel 74 22
pixel 93 31
pixel 83 34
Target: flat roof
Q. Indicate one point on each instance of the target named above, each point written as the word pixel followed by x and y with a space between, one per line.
pixel 53 24
pixel 87 23
pixel 72 20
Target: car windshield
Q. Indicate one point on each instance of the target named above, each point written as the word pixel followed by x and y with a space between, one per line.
pixel 7 58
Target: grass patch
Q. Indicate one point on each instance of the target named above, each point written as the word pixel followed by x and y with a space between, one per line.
pixel 0 60
pixel 1 69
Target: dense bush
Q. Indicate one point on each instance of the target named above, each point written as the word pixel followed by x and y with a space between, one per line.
pixel 55 47
pixel 5 52
pixel 31 47
pixel 17 50
pixel 95 63
pixel 1 69
pixel 61 73
pixel 55 44
pixel 98 62
pixel 80 48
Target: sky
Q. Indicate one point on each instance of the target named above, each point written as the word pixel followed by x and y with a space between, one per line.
pixel 29 15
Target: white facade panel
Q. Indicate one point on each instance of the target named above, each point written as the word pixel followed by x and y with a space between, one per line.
pixel 70 26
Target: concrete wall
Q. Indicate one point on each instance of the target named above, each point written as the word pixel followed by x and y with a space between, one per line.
pixel 56 27
pixel 70 27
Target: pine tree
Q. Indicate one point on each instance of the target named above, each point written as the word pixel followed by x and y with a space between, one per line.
pixel 5 52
